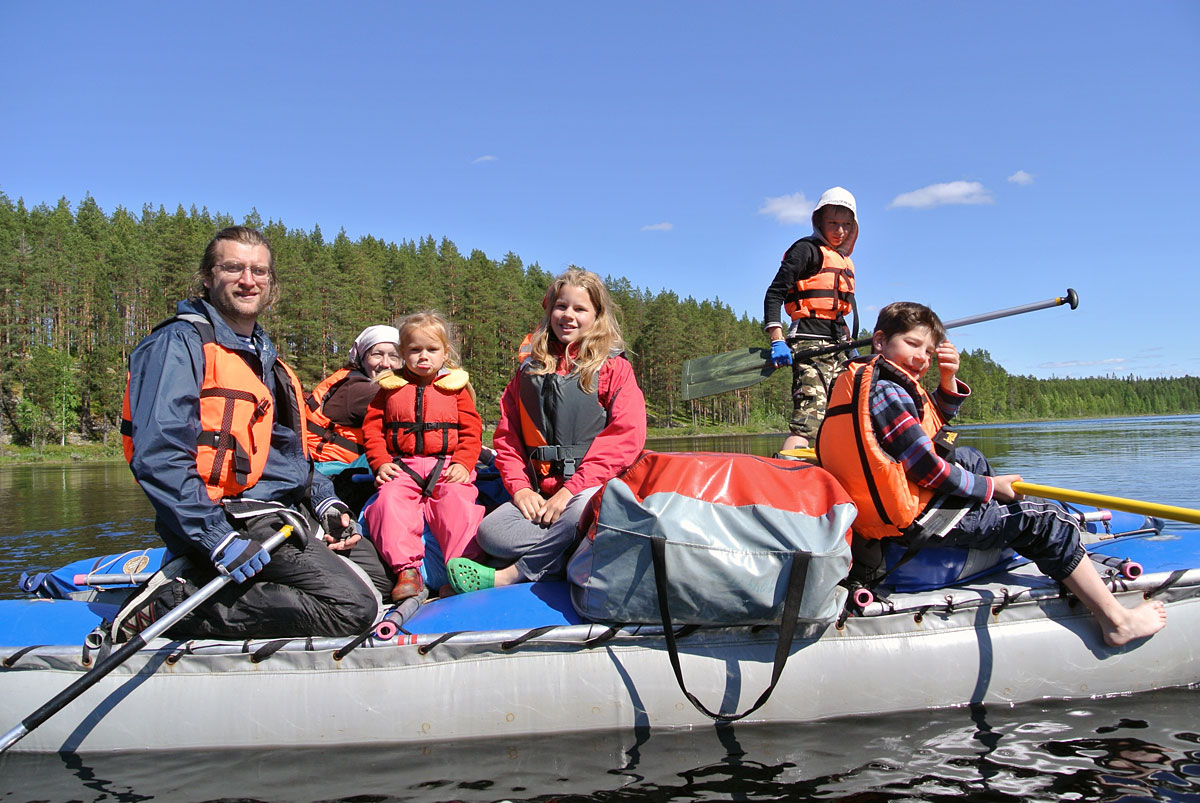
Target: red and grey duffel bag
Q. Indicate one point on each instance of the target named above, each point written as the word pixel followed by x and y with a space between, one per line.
pixel 715 539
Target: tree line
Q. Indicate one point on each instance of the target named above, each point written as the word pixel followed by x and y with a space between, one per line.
pixel 80 287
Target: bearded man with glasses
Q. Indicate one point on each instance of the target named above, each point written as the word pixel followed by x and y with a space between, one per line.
pixel 215 435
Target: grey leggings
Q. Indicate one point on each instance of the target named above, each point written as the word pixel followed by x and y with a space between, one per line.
pixel 536 550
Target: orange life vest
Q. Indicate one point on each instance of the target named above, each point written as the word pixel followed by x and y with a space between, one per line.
pixel 828 294
pixel 888 502
pixel 327 439
pixel 422 419
pixel 237 413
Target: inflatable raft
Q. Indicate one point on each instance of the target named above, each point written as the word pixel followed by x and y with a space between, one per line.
pixel 519 661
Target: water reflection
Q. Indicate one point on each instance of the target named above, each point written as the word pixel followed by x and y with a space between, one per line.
pixel 1141 747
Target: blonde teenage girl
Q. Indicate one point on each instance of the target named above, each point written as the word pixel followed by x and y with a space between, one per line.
pixel 571 419
pixel 423 438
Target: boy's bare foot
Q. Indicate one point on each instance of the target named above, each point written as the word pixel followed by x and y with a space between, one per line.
pixel 1140 622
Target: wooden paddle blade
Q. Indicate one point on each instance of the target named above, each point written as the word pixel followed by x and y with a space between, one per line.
pixel 708 376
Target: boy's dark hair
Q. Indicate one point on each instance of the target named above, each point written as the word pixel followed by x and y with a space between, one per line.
pixel 904 316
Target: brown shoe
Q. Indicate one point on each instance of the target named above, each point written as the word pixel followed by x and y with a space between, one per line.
pixel 408 584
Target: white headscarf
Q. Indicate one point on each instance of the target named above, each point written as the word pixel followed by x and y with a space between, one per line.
pixel 371 336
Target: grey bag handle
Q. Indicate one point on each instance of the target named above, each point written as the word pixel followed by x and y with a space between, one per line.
pixel 787 628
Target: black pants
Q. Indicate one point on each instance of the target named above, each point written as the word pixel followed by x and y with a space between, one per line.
pixel 301 592
pixel 1037 529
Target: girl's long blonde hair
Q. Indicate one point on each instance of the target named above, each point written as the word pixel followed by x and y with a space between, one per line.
pixel 595 346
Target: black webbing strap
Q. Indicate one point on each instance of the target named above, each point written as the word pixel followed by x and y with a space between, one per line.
pixel 787 628
pixel 425 483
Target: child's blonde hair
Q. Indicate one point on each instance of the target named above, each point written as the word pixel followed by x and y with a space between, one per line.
pixel 596 345
pixel 432 321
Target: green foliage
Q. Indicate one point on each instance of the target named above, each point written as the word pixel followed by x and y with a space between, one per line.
pixel 79 289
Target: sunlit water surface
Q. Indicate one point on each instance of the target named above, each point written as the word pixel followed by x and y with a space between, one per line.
pixel 1142 747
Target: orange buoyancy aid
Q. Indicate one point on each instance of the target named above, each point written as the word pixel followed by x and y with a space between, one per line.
pixel 327 439
pixel 828 294
pixel 559 421
pixel 422 419
pixel 237 414
pixel 847 447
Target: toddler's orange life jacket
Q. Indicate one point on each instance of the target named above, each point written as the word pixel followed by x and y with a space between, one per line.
pixel 422 419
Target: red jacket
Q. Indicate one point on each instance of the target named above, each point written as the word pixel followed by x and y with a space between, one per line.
pixel 612 451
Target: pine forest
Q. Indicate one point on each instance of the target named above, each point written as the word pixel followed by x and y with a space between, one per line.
pixel 79 288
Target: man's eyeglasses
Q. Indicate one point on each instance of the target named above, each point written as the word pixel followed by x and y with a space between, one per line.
pixel 237 269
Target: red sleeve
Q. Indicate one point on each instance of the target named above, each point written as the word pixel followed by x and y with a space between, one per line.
pixel 509 446
pixel 377 451
pixel 624 438
pixel 470 432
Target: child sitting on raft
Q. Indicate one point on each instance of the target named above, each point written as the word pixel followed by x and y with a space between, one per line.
pixel 423 437
pixel 570 420
pixel 880 437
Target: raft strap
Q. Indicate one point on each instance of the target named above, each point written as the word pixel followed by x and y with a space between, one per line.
pixel 787 626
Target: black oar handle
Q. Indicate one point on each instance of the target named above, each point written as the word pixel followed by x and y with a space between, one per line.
pixel 115 659
pixel 1071 299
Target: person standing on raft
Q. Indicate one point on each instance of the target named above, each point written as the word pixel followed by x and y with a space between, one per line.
pixel 815 284
pixel 883 439
pixel 570 420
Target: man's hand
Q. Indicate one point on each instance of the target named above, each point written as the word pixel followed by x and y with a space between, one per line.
pixel 781 353
pixel 341 531
pixel 241 559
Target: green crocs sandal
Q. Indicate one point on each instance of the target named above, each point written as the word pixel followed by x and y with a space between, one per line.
pixel 467 575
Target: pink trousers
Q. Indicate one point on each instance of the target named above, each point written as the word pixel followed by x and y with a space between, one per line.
pixel 397 517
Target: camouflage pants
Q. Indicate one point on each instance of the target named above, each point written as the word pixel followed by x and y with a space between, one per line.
pixel 812 377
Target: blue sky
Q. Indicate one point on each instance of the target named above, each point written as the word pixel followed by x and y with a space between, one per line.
pixel 1000 152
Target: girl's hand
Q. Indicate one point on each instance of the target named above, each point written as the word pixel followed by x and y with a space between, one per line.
pixel 947 360
pixel 554 507
pixel 1002 490
pixel 455 472
pixel 386 473
pixel 529 502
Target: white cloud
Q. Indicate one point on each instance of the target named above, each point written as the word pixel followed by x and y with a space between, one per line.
pixel 789 209
pixel 951 192
pixel 485 158
pixel 1021 177
pixel 659 227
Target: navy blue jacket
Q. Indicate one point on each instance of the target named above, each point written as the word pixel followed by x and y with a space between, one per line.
pixel 165 373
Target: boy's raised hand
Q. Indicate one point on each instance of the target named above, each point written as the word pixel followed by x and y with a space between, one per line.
pixel 947 360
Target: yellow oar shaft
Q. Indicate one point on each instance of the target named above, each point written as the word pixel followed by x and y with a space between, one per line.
pixel 1112 502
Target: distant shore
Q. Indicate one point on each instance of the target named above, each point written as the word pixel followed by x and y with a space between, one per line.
pixel 72 453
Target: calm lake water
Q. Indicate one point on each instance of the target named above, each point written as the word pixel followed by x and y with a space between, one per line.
pixel 1144 747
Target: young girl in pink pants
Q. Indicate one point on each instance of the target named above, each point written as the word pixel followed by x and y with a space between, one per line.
pixel 423 437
